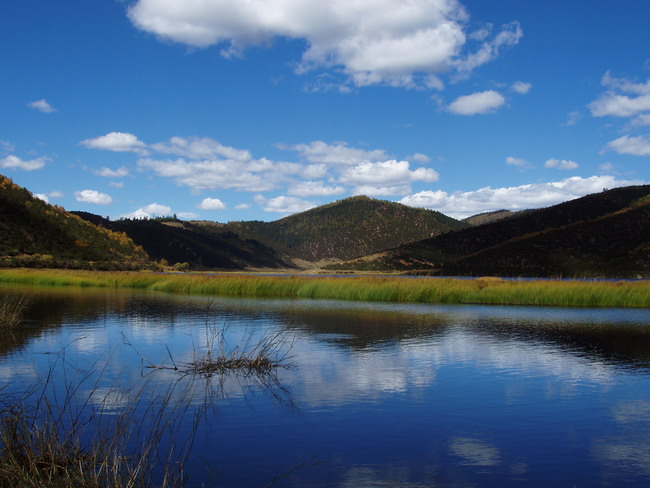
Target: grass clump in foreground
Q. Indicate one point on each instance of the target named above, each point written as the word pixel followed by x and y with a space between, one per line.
pixel 76 442
pixel 386 289
pixel 12 308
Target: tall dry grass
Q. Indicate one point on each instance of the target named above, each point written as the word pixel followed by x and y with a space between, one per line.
pixel 578 293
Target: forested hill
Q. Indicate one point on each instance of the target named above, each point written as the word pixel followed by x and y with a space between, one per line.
pixel 347 228
pixel 207 246
pixel 603 234
pixel 35 233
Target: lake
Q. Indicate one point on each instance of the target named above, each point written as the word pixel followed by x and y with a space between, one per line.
pixel 374 395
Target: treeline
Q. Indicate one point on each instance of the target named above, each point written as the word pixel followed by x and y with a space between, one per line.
pixel 34 233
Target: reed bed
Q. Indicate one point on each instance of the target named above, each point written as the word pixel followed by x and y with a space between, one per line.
pixel 488 290
pixel 12 308
pixel 47 441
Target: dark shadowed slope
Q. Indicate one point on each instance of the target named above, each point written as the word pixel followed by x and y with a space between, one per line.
pixel 347 228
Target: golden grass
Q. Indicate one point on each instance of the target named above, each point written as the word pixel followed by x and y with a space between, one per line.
pixel 367 288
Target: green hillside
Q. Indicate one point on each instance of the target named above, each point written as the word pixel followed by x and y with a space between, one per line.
pixel 601 234
pixel 35 233
pixel 206 246
pixel 346 229
pixel 616 244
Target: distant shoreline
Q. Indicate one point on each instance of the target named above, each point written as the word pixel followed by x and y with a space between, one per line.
pixel 485 290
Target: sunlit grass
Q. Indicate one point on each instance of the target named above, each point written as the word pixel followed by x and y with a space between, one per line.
pixel 384 289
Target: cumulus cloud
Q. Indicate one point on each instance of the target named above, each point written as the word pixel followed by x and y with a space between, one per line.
pixel 212 204
pixel 623 99
pixel 633 145
pixel 216 174
pixel 117 141
pixel 42 196
pixel 205 164
pixel 93 196
pixel 561 164
pixel 15 162
pixel 368 41
pixel 336 153
pixel 477 103
pixel 284 204
pixel 465 204
pixel 110 173
pixel 42 105
pixel 315 188
pixel 419 158
pixel 200 148
pixel 385 178
pixel 150 211
pixel 519 162
pixel 521 87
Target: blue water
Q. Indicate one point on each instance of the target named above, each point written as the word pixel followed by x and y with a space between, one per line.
pixel 377 395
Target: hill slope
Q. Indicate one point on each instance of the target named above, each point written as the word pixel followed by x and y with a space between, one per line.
pixel 346 229
pixel 35 233
pixel 570 238
pixel 202 248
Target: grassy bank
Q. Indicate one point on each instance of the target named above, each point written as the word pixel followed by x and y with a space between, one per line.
pixel 384 289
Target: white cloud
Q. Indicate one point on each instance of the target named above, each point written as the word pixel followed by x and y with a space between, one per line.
pixel 42 106
pixel 42 196
pixel 477 103
pixel 635 146
pixel 116 184
pixel 561 164
pixel 419 158
pixel 212 204
pixel 315 188
pixel 117 141
pixel 465 204
pixel 519 162
pixel 283 204
pixel 15 162
pixel 368 41
pixel 337 153
pixel 93 196
pixel 200 148
pixel 150 211
pixel 521 87
pixel 617 101
pixel 109 173
pixel 243 206
pixel 187 215
pixel 217 174
pixel 385 178
pixel 510 35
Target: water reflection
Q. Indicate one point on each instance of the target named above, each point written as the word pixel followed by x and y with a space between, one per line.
pixel 382 395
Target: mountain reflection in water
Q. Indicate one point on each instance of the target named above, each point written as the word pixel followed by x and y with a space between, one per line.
pixel 379 395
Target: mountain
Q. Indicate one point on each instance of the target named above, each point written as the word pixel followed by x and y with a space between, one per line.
pixel 203 246
pixel 488 217
pixel 346 229
pixel 37 234
pixel 603 234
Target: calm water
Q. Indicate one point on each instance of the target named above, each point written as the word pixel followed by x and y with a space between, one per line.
pixel 379 395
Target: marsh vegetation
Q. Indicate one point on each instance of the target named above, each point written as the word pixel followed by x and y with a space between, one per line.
pixel 494 291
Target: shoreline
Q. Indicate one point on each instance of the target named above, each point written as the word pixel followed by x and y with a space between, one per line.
pixel 384 288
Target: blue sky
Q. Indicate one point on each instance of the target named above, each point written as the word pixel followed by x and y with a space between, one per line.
pixel 228 110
